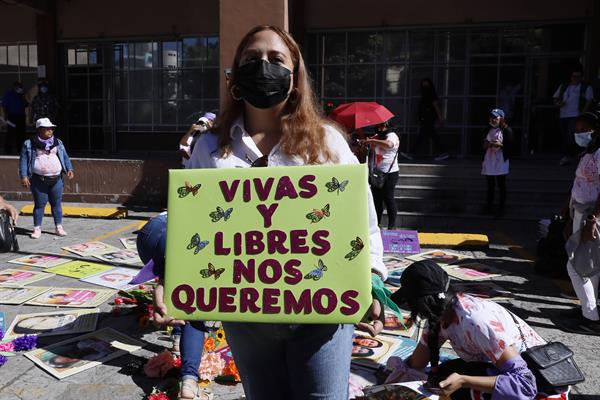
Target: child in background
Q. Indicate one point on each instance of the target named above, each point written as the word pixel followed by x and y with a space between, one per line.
pixel 495 166
pixel 43 162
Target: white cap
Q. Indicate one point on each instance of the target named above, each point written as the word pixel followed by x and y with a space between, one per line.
pixel 44 123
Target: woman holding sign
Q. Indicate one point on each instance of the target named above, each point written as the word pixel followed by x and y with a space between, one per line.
pixel 270 118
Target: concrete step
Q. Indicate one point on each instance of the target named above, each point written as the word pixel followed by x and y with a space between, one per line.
pixel 420 205
pixel 474 181
pixel 447 193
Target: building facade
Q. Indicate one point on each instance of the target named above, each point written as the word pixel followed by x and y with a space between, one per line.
pixel 132 76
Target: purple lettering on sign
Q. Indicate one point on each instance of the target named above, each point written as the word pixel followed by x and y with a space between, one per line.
pixel 401 242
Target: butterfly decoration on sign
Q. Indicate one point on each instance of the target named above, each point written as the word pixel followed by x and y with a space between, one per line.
pixel 336 185
pixel 183 191
pixel 212 271
pixel 316 273
pixel 357 246
pixel 316 215
pixel 220 214
pixel 197 244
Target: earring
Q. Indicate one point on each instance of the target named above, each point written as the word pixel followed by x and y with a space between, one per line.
pixel 233 91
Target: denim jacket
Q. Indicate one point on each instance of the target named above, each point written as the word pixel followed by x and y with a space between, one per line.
pixel 28 155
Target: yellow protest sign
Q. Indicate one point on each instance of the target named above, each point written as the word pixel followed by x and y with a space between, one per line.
pixel 284 244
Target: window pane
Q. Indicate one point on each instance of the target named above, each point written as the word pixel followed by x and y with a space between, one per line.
pixel 397 107
pixel 364 47
pixel 33 60
pixel 211 83
pixel 395 48
pixel 81 57
pixel 78 113
pixel 141 112
pixel 71 56
pixel 484 42
pixel 312 47
pixel 559 37
pixel 391 80
pixel 96 112
pixel 335 82
pixel 335 48
pixel 122 113
pixel 140 84
pixel 479 111
pixel 170 56
pixel 192 84
pixel 483 80
pixel 78 138
pixel 361 81
pixel 421 46
pixel 168 113
pixel 189 111
pixel 212 51
pixel 13 55
pixel 121 89
pixel 120 54
pixel 23 56
pixel 78 88
pixel 3 55
pixel 169 84
pixel 144 56
pixel 514 41
pixel 193 51
pixel 417 74
pixel 96 86
pixel 450 81
pixel 452 110
pixel 452 46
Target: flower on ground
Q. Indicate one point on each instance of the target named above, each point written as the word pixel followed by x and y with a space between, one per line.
pixel 159 365
pixel 3 360
pixel 209 344
pixel 231 370
pixel 25 343
pixel 211 366
pixel 7 347
pixel 220 335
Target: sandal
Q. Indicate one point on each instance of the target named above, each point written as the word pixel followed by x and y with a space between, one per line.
pixel 191 391
pixel 175 350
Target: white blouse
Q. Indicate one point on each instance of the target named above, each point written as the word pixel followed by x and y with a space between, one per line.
pixel 206 154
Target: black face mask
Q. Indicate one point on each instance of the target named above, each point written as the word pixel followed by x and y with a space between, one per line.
pixel 263 84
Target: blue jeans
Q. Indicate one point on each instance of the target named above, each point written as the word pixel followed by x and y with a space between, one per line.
pixel 44 190
pixel 151 243
pixel 290 362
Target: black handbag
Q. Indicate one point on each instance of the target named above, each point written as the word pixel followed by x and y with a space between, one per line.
pixel 377 177
pixel 8 238
pixel 551 363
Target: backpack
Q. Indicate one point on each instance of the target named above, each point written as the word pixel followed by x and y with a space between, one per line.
pixel 582 89
pixel 552 257
pixel 8 237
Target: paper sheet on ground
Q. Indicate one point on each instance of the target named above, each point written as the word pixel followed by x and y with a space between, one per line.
pixel 120 256
pixel 129 243
pixel 21 277
pixel 79 269
pixel 40 261
pixel 72 297
pixel 116 278
pixel 78 354
pixel 64 322
pixel 473 271
pixel 442 257
pixel 20 294
pixel 90 248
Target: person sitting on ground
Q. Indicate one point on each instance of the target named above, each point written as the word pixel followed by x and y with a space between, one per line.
pixel 495 167
pixel 487 337
pixel 14 214
pixel 584 217
pixel 187 142
pixel 43 162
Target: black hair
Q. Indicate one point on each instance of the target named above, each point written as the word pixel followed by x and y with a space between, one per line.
pixel 430 92
pixel 592 118
pixel 431 308
pixel 382 134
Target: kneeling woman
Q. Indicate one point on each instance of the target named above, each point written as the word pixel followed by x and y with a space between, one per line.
pixel 487 337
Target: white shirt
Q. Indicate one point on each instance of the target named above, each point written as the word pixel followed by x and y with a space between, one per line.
pixel 571 99
pixel 206 154
pixel 493 161
pixel 384 156
pixel 586 186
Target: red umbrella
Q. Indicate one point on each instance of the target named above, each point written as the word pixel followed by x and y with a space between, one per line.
pixel 359 114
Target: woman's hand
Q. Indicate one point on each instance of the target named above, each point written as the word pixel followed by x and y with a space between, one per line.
pixel 160 309
pixel 25 182
pixel 589 232
pixel 451 384
pixel 14 214
pixel 374 327
pixel 70 174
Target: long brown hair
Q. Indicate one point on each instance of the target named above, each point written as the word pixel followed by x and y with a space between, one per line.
pixel 302 124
